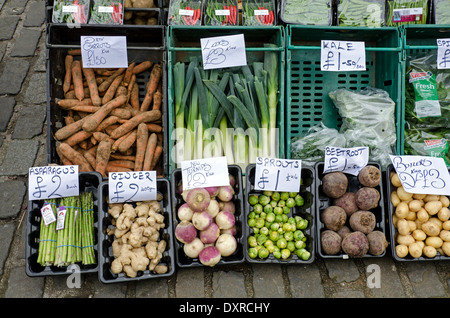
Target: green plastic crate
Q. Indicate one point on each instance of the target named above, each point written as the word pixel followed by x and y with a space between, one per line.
pixel 307 87
pixel 183 43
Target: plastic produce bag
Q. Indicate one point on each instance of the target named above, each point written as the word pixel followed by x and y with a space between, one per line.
pixel 258 12
pixel 441 11
pixel 70 11
pixel 308 12
pixel 310 145
pixel 367 13
pixel 106 12
pixel 428 142
pixel 185 12
pixel 221 12
pixel 401 12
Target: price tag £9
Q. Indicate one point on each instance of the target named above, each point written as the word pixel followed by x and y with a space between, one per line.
pixel 52 182
pixel 132 186
pixel 282 175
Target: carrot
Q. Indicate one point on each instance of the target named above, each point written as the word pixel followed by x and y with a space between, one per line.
pixel 122 163
pixel 69 120
pixel 111 91
pixel 128 141
pixel 107 122
pixel 68 75
pixel 123 157
pixel 155 77
pixel 99 136
pixel 130 124
pixel 141 146
pixel 63 158
pixel 134 97
pixel 117 141
pixel 102 156
pixel 118 112
pixel 111 168
pixel 150 151
pixel 121 90
pixel 93 121
pixel 74 52
pixel 142 67
pixel 77 138
pixel 157 100
pixel 90 158
pixel 77 78
pixel 70 102
pixel 68 130
pixel 107 82
pixel 128 74
pixel 92 86
pixel 158 152
pixel 76 157
pixel 154 128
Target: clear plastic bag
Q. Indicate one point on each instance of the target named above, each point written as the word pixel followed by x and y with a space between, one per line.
pixel 367 13
pixel 185 12
pixel 258 12
pixel 221 12
pixel 106 12
pixel 400 12
pixel 307 12
pixel 70 11
pixel 441 10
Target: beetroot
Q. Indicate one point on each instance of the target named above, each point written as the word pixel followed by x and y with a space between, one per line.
pixel 334 184
pixel 363 221
pixel 355 244
pixel 330 242
pixel 343 231
pixel 377 242
pixel 369 176
pixel 198 199
pixel 333 217
pixel 367 198
pixel 347 202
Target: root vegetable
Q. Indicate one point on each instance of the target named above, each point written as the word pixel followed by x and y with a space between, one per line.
pixel 369 176
pixel 429 251
pixel 367 198
pixel 347 202
pixel 225 220
pixel 334 184
pixel 330 242
pixel 213 191
pixel 198 199
pixel 193 248
pixel 210 234
pixel 377 242
pixel 333 217
pixel 201 220
pixel 355 244
pixel 415 250
pixel 430 228
pixel 210 256
pixel 213 208
pixel 363 221
pixel 225 193
pixel 184 212
pixel 227 206
pixel 227 244
pixel 185 232
pixel 401 250
pixel 343 231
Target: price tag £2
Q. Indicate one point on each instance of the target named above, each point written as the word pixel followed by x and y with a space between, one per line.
pixel 207 172
pixel 52 182
pixel 132 186
pixel 342 56
pixel 223 51
pixel 347 160
pixel 282 175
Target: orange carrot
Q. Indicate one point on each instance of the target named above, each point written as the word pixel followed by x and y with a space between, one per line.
pixel 128 74
pixel 111 168
pixel 68 75
pixel 68 130
pixel 117 141
pixel 63 158
pixel 154 128
pixel 111 91
pixel 107 82
pixel 102 156
pixel 70 102
pixel 141 146
pixel 77 78
pixel 142 67
pixel 74 52
pixel 77 138
pixel 121 90
pixel 93 121
pixel 90 158
pixel 92 86
pixel 128 141
pixel 155 77
pixel 69 120
pixel 123 157
pixel 150 151
pixel 104 72
pixel 130 124
pixel 158 152
pixel 107 122
pixel 134 97
pixel 118 112
pixel 122 163
pixel 157 100
pixel 99 136
pixel 76 157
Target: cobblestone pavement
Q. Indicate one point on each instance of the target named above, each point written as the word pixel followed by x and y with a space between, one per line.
pixel 23 144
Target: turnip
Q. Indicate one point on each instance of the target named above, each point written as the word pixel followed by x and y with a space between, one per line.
pixel 210 234
pixel 227 244
pixel 185 212
pixel 184 193
pixel 209 256
pixel 225 220
pixel 225 193
pixel 185 231
pixel 193 248
pixel 232 231
pixel 232 180
pixel 198 199
pixel 201 220
pixel 213 208
pixel 227 206
pixel 212 191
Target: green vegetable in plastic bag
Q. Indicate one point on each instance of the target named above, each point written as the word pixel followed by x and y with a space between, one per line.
pixel 310 12
pixel 368 13
pixel 441 11
pixel 400 12
pixel 428 142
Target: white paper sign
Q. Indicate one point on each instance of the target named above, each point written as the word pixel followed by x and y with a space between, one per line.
pixel 347 160
pixel 342 56
pixel 223 51
pixel 104 51
pixel 52 182
pixel 132 186
pixel 281 175
pixel 422 174
pixel 443 54
pixel 202 173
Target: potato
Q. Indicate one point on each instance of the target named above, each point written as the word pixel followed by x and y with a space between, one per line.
pixel 419 196
pixel 403 227
pixel 431 228
pixel 403 195
pixel 429 251
pixel 444 214
pixel 445 235
pixel 402 210
pixel 437 222
pixel 422 215
pixel 419 235
pixel 446 225
pixel 446 248
pixel 431 197
pixel 405 239
pixel 401 250
pixel 433 207
pixel 415 205
pixel 395 200
pixel 434 241
pixel 412 225
pixel 412 216
pixel 395 180
pixel 421 244
pixel 445 201
pixel 415 250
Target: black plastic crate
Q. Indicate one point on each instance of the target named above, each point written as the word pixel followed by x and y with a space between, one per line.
pixel 322 202
pixel 393 231
pixel 105 240
pixel 307 191
pixel 142 44
pixel 88 182
pixel 238 256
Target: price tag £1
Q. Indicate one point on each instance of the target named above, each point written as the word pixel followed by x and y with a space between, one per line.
pixel 49 182
pixel 443 53
pixel 347 160
pixel 203 173
pixel 132 186
pixel 342 56
pixel 223 51
pixel 282 175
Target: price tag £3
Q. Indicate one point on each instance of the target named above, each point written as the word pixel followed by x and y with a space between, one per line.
pixel 223 51
pixel 282 175
pixel 132 186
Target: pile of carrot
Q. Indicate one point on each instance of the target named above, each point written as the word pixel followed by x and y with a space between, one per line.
pixel 108 128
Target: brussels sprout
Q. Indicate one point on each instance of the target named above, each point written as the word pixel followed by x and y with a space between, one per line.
pixel 252 252
pixel 259 222
pixel 302 224
pixel 274 236
pixel 276 252
pixel 286 210
pixel 261 239
pixel 292 194
pixel 253 199
pixel 263 252
pixel 290 202
pixel 268 208
pixel 281 203
pixel 278 210
pixel 273 203
pixel 270 245
pixel 299 200
pixel 264 231
pixel 252 215
pixel 298 235
pixel 268 193
pixel 274 226
pixel 285 253
pixel 275 196
pixel 300 244
pixel 282 243
pixel 291 246
pixel 264 200
pixel 270 217
pixel 258 208
pixel 289 236
pixel 252 241
pixel 303 254
pixel 284 196
pixel 251 222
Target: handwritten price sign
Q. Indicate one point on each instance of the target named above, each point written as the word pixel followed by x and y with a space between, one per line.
pixel 52 182
pixel 278 174
pixel 342 56
pixel 104 51
pixel 347 160
pixel 132 186
pixel 422 175
pixel 443 54
pixel 202 173
pixel 223 51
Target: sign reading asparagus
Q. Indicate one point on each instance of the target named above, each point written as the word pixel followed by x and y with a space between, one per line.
pixel 347 160
pixel 342 56
pixel 422 174
pixel 443 53
pixel 52 182
pixel 104 51
pixel 203 173
pixel 281 175
pixel 132 186
pixel 223 51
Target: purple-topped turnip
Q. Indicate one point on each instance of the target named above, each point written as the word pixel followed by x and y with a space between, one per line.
pixel 210 234
pixel 185 232
pixel 213 208
pixel 225 220
pixel 227 206
pixel 198 199
pixel 209 256
pixel 225 193
pixel 201 220
pixel 213 191
pixel 227 244
pixel 185 212
pixel 193 248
